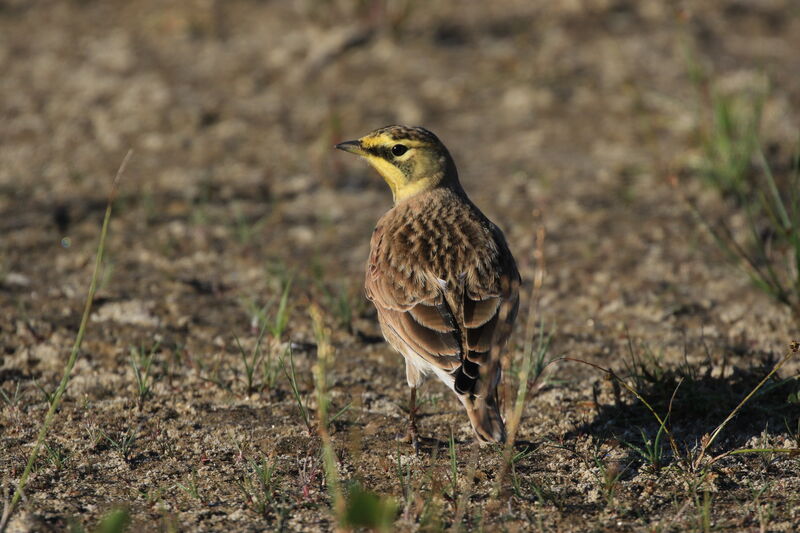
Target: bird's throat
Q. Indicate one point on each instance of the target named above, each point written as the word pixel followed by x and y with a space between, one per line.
pixel 403 187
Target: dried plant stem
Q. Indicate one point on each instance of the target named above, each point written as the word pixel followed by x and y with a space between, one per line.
pixel 708 440
pixel 515 415
pixel 662 421
pixel 324 356
pixel 791 352
pixel 73 356
pixel 530 329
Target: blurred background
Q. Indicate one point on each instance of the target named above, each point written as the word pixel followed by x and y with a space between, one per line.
pixel 574 116
pixel 609 123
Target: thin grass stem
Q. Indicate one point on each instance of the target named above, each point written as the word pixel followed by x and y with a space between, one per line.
pixel 73 356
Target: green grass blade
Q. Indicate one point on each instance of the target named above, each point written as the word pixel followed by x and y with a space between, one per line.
pixel 73 356
pixel 777 201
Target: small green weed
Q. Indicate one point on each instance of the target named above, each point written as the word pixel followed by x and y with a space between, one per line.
pixel 651 450
pixel 251 362
pixel 141 360
pixel 260 358
pixel 768 251
pixel 291 375
pixel 258 485
pixel 56 455
pixel 515 481
pixel 191 488
pixel 122 444
pixel 365 509
pixel 731 140
pixel 12 399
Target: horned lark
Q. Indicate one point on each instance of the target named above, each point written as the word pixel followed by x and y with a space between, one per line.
pixel 440 274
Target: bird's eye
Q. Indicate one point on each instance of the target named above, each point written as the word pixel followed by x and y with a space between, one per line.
pixel 399 149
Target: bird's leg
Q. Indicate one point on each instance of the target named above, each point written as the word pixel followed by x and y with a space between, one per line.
pixel 412 419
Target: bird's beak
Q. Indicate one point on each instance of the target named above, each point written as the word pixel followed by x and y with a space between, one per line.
pixel 354 147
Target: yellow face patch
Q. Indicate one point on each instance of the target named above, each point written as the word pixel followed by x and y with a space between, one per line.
pixel 400 184
pixel 421 167
pixel 393 175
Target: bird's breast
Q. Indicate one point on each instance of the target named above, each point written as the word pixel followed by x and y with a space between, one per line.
pixel 434 245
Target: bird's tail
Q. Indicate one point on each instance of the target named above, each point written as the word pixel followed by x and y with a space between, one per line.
pixel 484 414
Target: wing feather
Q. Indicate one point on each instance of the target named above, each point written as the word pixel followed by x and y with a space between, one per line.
pixel 478 313
pixel 432 317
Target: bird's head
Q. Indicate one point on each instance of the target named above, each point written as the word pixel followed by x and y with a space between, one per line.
pixel 411 159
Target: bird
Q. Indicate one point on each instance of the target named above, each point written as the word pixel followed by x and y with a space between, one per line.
pixel 440 275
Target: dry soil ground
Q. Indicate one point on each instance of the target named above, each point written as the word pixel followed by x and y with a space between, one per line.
pixel 572 116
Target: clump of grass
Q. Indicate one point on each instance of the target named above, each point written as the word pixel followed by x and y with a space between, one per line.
pixel 766 196
pixel 764 510
pixel 515 481
pixel 191 488
pixel 12 399
pixel 324 351
pixel 270 369
pixel 698 461
pixel 259 358
pixel 291 376
pixel 466 492
pixel 427 496
pixel 93 433
pixel 731 140
pixel 258 485
pixel 73 357
pixel 56 455
pixel 141 361
pixel 123 444
pixel 278 325
pixel 652 449
pixel 703 508
pixel 251 362
pixel 261 317
pixel 770 254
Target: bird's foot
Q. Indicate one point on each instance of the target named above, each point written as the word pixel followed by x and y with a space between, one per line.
pixel 413 436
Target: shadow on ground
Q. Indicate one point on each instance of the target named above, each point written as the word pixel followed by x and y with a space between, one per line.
pixel 702 396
